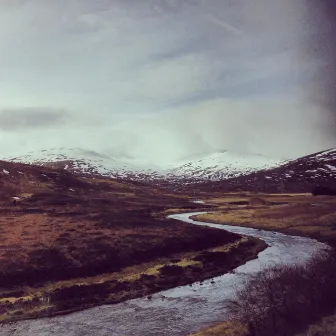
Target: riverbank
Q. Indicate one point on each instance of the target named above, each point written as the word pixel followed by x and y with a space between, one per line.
pixel 293 214
pixel 285 300
pixel 177 311
pixel 62 297
pixel 71 243
pixel 301 215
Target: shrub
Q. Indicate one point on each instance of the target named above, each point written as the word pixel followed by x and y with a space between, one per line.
pixel 327 327
pixel 280 300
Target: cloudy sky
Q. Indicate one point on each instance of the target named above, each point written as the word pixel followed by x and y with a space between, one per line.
pixel 164 80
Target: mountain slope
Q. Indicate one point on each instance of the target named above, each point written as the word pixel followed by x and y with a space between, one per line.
pixel 222 171
pixel 218 166
pixel 298 175
pixel 223 165
pixel 86 162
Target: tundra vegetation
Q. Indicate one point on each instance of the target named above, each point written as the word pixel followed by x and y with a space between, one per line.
pixel 73 242
pixel 295 214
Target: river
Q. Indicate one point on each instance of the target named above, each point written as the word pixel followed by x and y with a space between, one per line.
pixel 177 311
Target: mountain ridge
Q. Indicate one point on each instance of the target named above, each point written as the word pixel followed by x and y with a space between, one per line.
pixel 216 166
pixel 222 170
pixel 298 175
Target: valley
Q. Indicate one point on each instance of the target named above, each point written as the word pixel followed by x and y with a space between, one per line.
pixel 77 232
pixel 167 168
pixel 223 171
pixel 210 167
pixel 70 243
pixel 180 310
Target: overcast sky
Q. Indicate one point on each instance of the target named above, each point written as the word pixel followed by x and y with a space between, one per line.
pixel 163 80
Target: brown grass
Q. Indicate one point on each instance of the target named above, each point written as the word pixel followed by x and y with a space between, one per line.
pixel 128 283
pixel 223 329
pixel 100 233
pixel 239 197
pixel 298 216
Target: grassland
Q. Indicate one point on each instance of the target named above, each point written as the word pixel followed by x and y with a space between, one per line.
pixel 300 214
pixel 75 242
pixel 144 279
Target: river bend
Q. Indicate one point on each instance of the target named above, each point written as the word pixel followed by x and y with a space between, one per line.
pixel 177 311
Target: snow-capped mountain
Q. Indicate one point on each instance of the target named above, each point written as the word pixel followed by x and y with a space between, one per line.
pixel 218 166
pixel 298 175
pixel 223 165
pixel 81 161
pixel 315 168
pixel 225 171
pixel 251 170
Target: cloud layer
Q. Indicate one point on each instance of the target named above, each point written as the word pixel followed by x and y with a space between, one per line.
pixel 30 118
pixel 165 80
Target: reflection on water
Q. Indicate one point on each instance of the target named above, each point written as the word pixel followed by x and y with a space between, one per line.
pixel 176 311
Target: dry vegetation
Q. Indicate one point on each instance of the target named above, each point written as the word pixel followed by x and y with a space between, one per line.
pixel 281 300
pixel 301 214
pixel 325 327
pixel 224 329
pixel 74 242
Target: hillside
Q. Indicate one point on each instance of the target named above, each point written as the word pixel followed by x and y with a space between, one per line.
pixel 87 162
pixel 222 171
pixel 299 175
pixel 222 165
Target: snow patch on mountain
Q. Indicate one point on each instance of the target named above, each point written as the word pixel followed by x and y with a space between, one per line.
pixel 86 162
pixel 217 166
pixel 224 165
pixel 297 175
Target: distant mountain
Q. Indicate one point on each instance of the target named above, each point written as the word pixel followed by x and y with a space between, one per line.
pixel 87 162
pixel 222 171
pixel 223 165
pixel 299 175
pixel 214 167
pixel 17 179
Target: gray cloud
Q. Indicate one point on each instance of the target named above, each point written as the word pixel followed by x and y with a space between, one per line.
pixel 30 118
pixel 321 46
pixel 164 80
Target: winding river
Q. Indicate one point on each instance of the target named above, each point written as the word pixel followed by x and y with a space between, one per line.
pixel 177 311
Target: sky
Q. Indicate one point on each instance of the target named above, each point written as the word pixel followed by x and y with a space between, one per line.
pixel 162 81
